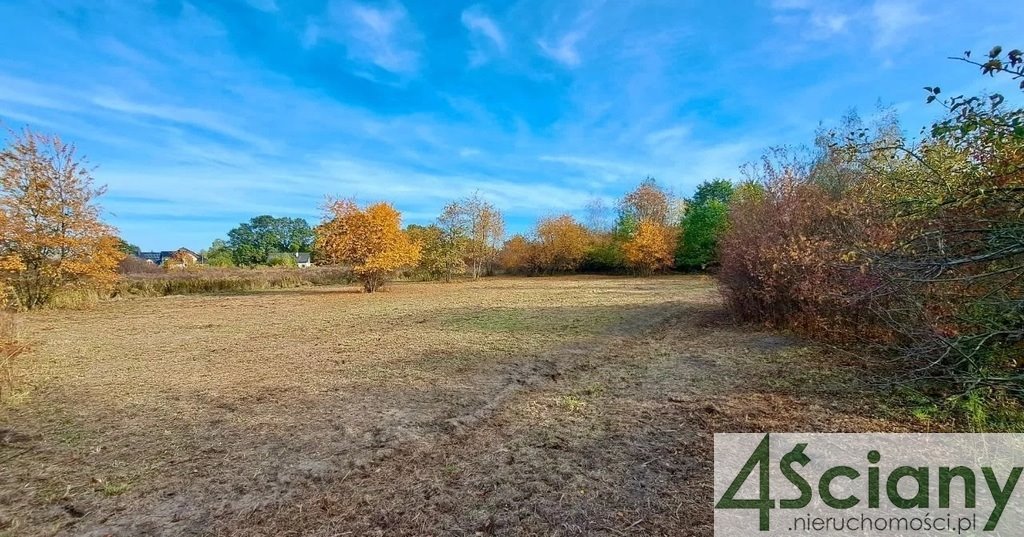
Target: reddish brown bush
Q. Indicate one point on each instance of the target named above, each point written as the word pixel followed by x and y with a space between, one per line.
pixel 780 262
pixel 914 246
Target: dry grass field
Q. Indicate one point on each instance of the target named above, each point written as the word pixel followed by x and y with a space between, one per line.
pixel 555 406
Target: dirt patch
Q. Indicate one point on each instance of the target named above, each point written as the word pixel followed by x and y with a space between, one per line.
pixel 557 406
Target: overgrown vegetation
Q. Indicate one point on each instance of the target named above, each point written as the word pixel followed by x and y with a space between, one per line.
pixel 913 246
pixel 10 349
pixel 209 280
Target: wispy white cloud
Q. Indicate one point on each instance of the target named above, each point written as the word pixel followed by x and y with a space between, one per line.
pixel 372 181
pixel 615 167
pixel 204 129
pixel 383 36
pixel 563 49
pixel 480 25
pixel 816 20
pixel 18 91
pixel 829 23
pixel 893 20
pixel 667 135
pixel 195 117
pixel 792 4
pixel 475 21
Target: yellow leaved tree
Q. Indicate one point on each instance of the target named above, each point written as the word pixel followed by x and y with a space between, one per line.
pixel 561 244
pixel 652 247
pixel 369 241
pixel 51 235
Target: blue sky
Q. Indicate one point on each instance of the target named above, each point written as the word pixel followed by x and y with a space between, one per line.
pixel 202 114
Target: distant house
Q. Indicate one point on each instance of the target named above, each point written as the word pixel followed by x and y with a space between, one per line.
pixel 185 256
pixel 153 257
pixel 302 259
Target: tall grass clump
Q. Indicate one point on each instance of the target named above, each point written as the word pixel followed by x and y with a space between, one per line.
pixel 10 350
pixel 226 280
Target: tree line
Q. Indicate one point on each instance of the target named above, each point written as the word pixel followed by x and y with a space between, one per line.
pixel 54 238
pixel 652 232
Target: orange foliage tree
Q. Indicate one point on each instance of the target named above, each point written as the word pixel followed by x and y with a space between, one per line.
pixel 518 255
pixel 559 244
pixel 370 241
pixel 51 235
pixel 562 243
pixel 652 247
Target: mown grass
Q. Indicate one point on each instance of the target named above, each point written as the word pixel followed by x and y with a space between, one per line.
pixel 520 321
pixel 150 405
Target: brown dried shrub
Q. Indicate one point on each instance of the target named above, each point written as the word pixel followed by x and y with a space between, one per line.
pixel 780 261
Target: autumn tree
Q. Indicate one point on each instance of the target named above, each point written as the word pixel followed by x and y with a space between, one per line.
pixel 646 224
pixel 487 226
pixel 51 235
pixel 369 241
pixel 940 222
pixel 562 244
pixel 437 258
pixel 475 228
pixel 518 255
pixel 454 239
pixel 779 264
pixel 648 201
pixel 912 247
pixel 652 247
